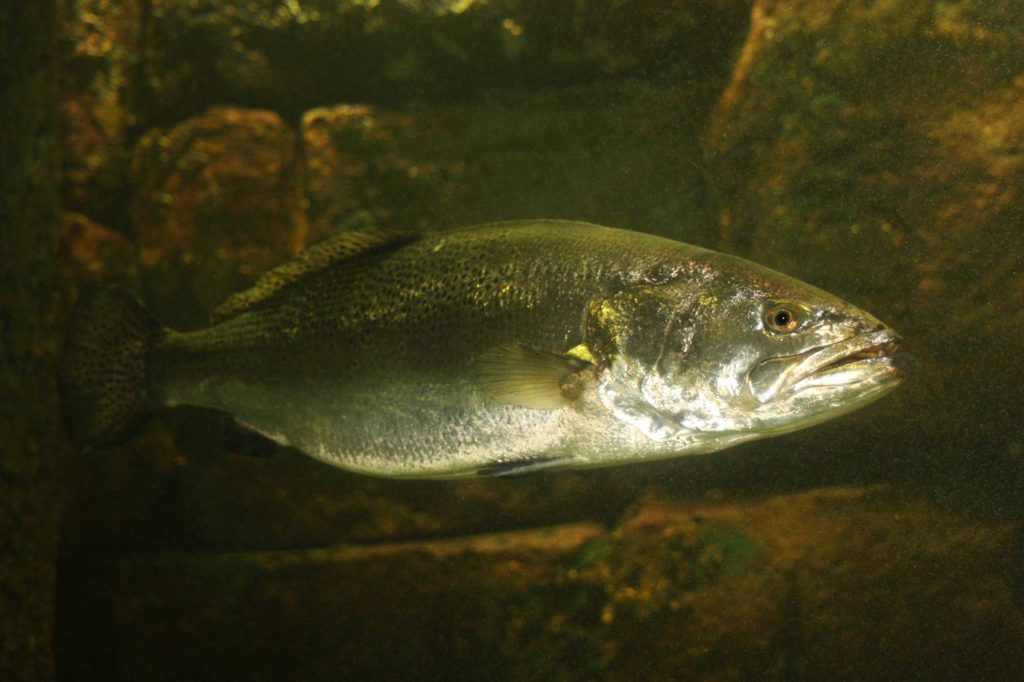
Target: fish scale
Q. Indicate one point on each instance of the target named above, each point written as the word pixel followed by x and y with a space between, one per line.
pixel 447 354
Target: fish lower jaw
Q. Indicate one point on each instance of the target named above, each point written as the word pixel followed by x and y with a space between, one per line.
pixel 826 406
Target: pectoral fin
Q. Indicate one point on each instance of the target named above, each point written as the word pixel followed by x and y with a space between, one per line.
pixel 519 375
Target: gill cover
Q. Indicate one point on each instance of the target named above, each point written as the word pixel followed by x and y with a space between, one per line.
pixel 632 334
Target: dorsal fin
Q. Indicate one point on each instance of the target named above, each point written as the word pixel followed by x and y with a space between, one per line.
pixel 342 247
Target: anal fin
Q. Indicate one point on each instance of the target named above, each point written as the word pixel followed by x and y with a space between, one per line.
pixel 240 439
pixel 522 466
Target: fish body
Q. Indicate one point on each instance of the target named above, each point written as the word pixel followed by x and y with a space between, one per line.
pixel 494 349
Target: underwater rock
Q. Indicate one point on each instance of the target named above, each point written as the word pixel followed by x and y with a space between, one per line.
pixel 970 189
pixel 873 148
pixel 296 55
pixel 91 254
pixel 217 203
pixel 100 46
pixel 840 583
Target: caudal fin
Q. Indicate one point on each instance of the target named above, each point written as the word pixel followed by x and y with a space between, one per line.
pixel 102 376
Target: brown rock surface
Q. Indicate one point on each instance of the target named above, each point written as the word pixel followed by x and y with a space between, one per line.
pixel 217 203
pixel 298 55
pixel 99 99
pixel 128 66
pixel 842 583
pixel 874 148
pixel 93 254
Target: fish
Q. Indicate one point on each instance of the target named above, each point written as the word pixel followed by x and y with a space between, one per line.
pixel 491 350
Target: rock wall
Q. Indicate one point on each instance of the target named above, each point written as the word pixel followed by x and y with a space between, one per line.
pixel 887 135
pixel 872 148
pixel 820 585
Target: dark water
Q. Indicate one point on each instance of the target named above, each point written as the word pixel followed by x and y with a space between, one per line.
pixel 872 149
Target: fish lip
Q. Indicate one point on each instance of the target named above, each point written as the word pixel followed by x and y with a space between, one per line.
pixel 876 352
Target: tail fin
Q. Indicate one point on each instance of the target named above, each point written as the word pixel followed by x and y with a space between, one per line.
pixel 102 377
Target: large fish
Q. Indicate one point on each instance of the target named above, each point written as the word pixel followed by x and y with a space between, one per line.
pixel 492 350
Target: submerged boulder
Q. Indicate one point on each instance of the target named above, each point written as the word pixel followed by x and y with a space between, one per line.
pixel 99 101
pixel 294 56
pixel 841 583
pixel 873 148
pixel 217 203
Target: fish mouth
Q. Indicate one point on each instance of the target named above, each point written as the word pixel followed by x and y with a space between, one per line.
pixel 886 349
pixel 863 362
pixel 872 357
pixel 828 381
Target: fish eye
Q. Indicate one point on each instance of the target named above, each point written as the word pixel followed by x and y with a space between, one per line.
pixel 784 318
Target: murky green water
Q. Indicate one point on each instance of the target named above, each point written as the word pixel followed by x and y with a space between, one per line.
pixel 872 149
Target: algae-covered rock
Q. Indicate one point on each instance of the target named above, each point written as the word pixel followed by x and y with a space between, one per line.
pixel 217 202
pixel 846 583
pixel 92 254
pixel 101 44
pixel 129 66
pixel 842 151
pixel 294 55
pixel 873 148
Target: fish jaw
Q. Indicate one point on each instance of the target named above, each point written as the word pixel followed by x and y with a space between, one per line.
pixel 868 358
pixel 826 382
pixel 875 357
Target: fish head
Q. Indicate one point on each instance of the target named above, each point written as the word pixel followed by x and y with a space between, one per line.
pixel 744 353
